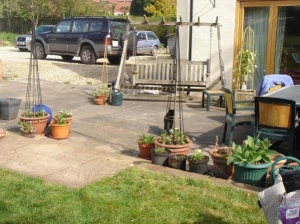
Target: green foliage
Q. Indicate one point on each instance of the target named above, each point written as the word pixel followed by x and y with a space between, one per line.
pixel 146 139
pixel 62 117
pixel 175 137
pixel 162 8
pixel 137 7
pixel 253 151
pixel 197 156
pixel 7 38
pixel 160 150
pixel 27 126
pixel 102 90
pixel 134 195
pixel 246 65
pixel 35 113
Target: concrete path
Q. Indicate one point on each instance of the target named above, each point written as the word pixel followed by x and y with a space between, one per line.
pixel 103 139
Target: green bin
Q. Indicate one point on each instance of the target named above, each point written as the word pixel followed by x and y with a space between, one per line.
pixel 117 97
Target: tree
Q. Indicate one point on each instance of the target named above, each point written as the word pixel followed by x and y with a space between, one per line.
pixel 162 8
pixel 137 7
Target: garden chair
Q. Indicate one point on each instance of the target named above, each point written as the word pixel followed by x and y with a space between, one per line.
pixel 275 119
pixel 232 118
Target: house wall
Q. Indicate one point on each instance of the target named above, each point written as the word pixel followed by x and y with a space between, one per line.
pixel 225 11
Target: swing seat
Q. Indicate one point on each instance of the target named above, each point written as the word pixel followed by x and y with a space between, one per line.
pixel 159 72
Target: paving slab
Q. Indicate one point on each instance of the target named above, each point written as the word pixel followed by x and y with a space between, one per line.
pixel 103 140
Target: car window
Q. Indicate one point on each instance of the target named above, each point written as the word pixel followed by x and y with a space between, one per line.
pixel 80 26
pixel 64 26
pixel 96 25
pixel 141 36
pixel 151 36
pixel 42 29
pixel 118 27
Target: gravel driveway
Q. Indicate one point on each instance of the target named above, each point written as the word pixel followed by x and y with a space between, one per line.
pixel 16 66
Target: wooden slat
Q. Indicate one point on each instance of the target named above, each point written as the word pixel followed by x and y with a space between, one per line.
pixel 161 72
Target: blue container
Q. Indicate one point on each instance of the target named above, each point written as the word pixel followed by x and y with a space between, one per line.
pixel 117 97
pixel 46 109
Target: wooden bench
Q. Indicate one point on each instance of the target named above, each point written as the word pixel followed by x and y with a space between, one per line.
pixel 160 73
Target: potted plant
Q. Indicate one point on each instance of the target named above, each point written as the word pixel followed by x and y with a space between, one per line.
pixel 219 156
pixel 101 95
pixel 60 128
pixel 251 161
pixel 178 161
pixel 198 162
pixel 176 141
pixel 159 156
pixel 145 143
pixel 64 114
pixel 27 129
pixel 38 118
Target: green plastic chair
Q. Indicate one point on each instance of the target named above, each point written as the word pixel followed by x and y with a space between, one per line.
pixel 275 119
pixel 232 118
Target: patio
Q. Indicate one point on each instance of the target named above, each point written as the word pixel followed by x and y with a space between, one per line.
pixel 102 136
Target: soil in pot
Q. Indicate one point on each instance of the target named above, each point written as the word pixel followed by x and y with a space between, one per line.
pixel 219 158
pixel 178 161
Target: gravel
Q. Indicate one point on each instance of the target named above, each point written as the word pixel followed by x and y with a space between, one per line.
pixel 15 65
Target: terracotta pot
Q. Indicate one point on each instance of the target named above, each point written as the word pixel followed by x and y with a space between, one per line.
pixel 145 150
pixel 221 162
pixel 100 100
pixel 69 119
pixel 60 131
pixel 175 149
pixel 39 123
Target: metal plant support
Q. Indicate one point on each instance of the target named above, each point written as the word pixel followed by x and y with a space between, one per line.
pixel 33 94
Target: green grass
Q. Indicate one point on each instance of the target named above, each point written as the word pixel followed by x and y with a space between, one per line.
pixel 7 39
pixel 135 195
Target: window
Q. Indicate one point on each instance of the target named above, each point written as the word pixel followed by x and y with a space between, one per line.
pixel 151 36
pixel 64 26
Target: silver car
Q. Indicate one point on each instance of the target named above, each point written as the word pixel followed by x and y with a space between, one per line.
pixel 145 42
pixel 23 41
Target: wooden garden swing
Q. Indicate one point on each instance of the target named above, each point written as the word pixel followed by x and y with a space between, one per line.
pixel 156 73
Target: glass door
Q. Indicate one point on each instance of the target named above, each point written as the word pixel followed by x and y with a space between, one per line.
pixel 276 28
pixel 287 56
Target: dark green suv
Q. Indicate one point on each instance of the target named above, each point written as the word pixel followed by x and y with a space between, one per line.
pixel 84 37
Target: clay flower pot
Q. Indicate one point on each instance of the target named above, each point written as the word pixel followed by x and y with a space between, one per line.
pixel 174 149
pixel 39 123
pixel 60 131
pixel 100 100
pixel 220 160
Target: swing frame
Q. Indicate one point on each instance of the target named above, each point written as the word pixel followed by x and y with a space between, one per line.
pixel 157 73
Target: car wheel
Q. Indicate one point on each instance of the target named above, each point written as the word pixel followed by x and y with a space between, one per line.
pixel 23 49
pixel 39 52
pixel 154 51
pixel 67 57
pixel 114 60
pixel 87 55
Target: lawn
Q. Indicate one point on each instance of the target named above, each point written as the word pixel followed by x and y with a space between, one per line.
pixel 135 195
